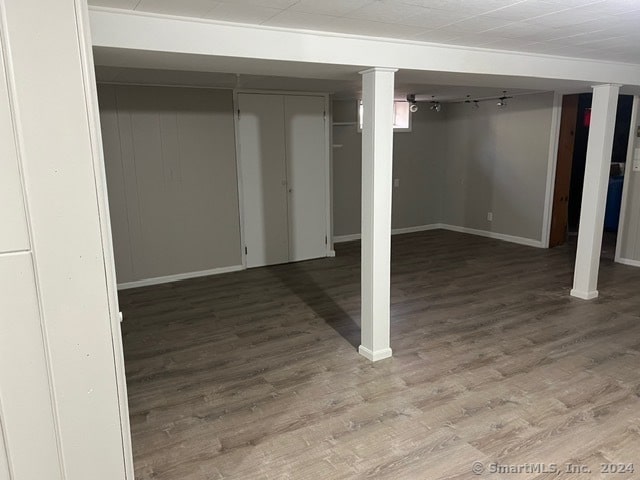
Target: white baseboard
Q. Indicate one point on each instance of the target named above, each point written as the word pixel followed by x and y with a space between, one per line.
pixel 454 228
pixel 374 356
pixel 180 276
pixel 419 228
pixel 346 238
pixel 498 236
pixel 395 231
pixel 584 295
pixel 628 261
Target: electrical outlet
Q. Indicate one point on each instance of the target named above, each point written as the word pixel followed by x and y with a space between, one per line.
pixel 396 182
pixel 490 216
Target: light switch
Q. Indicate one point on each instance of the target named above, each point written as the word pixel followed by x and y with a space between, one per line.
pixel 396 182
pixel 636 160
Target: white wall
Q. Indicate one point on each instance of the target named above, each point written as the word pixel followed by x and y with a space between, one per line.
pixel 59 396
pixel 171 171
pixel 496 160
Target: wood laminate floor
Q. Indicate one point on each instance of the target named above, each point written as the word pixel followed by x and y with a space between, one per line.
pixel 255 375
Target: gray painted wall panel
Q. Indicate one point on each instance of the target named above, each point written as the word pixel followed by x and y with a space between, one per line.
pixel 417 164
pixel 496 161
pixel 170 157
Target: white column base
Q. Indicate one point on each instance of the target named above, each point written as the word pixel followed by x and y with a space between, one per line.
pixel 374 356
pixel 584 295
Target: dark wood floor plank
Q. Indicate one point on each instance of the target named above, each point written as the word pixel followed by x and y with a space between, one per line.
pixel 255 374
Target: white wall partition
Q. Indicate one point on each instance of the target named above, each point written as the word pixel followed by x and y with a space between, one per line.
pixel 62 403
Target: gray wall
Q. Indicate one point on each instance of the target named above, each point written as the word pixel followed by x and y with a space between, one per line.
pixel 417 164
pixel 455 167
pixel 630 222
pixel 497 161
pixel 171 174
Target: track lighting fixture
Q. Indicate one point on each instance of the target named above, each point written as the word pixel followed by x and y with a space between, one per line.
pixel 435 106
pixel 476 105
pixel 502 101
pixel 411 98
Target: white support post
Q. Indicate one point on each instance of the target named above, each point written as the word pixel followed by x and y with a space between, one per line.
pixel 594 194
pixel 377 172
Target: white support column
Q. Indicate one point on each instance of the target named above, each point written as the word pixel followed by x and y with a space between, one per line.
pixel 377 172
pixel 594 194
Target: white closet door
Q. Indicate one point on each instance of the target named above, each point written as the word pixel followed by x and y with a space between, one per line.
pixel 264 178
pixel 306 173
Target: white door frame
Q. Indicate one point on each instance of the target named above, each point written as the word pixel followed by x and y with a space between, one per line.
pixel 552 161
pixel 627 176
pixel 329 252
pixel 91 95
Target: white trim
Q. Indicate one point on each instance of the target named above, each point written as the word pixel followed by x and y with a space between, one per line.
pixel 328 174
pixel 395 231
pixel 347 238
pixel 628 168
pixel 454 228
pixel 236 130
pixel 552 161
pixel 628 261
pixel 179 276
pixel 419 228
pixel 529 242
pixel 121 83
pixel 91 99
pixel 265 91
pixel 374 356
pixel 584 295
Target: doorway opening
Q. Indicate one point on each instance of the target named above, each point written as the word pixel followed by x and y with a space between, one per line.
pixel 570 167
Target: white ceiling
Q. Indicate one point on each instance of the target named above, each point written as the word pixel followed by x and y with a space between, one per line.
pixel 596 29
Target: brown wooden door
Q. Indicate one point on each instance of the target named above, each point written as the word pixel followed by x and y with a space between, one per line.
pixel 560 212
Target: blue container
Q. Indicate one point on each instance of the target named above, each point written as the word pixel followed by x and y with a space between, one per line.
pixel 614 200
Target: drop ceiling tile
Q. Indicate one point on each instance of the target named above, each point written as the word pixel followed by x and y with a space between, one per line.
pixel 187 8
pixel 513 44
pixel 615 7
pixel 281 4
pixel 573 3
pixel 306 21
pixel 240 13
pixel 464 7
pixel 475 24
pixel 435 36
pixel 521 29
pixel 329 7
pixel 124 4
pixel 525 10
pixel 472 40
pixel 386 11
pixel 376 29
pixel 431 18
